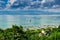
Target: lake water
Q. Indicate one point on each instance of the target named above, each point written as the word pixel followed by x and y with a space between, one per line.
pixel 6 21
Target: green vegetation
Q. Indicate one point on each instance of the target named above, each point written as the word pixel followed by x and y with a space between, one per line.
pixel 18 33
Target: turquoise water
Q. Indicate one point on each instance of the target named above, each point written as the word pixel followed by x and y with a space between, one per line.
pixel 27 12
pixel 6 21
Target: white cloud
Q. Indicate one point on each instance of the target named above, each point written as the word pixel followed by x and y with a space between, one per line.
pixel 1 2
pixel 10 2
pixel 45 1
pixel 55 6
pixel 27 7
pixel 35 2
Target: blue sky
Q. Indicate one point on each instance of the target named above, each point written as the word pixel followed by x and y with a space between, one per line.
pixel 34 4
pixel 44 6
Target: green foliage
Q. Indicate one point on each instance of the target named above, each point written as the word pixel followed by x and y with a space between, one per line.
pixel 18 33
pixel 59 26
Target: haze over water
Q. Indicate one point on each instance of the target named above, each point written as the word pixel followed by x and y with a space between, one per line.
pixel 6 21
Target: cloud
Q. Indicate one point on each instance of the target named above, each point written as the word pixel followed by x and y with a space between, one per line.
pixel 10 2
pixel 44 4
pixel 2 4
pixel 27 7
pixel 44 1
pixel 47 2
pixel 55 6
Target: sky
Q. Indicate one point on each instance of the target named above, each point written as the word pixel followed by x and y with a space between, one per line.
pixel 40 5
pixel 29 4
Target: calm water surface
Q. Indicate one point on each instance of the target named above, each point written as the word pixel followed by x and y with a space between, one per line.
pixel 7 21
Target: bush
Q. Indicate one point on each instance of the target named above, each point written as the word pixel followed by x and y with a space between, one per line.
pixel 18 33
